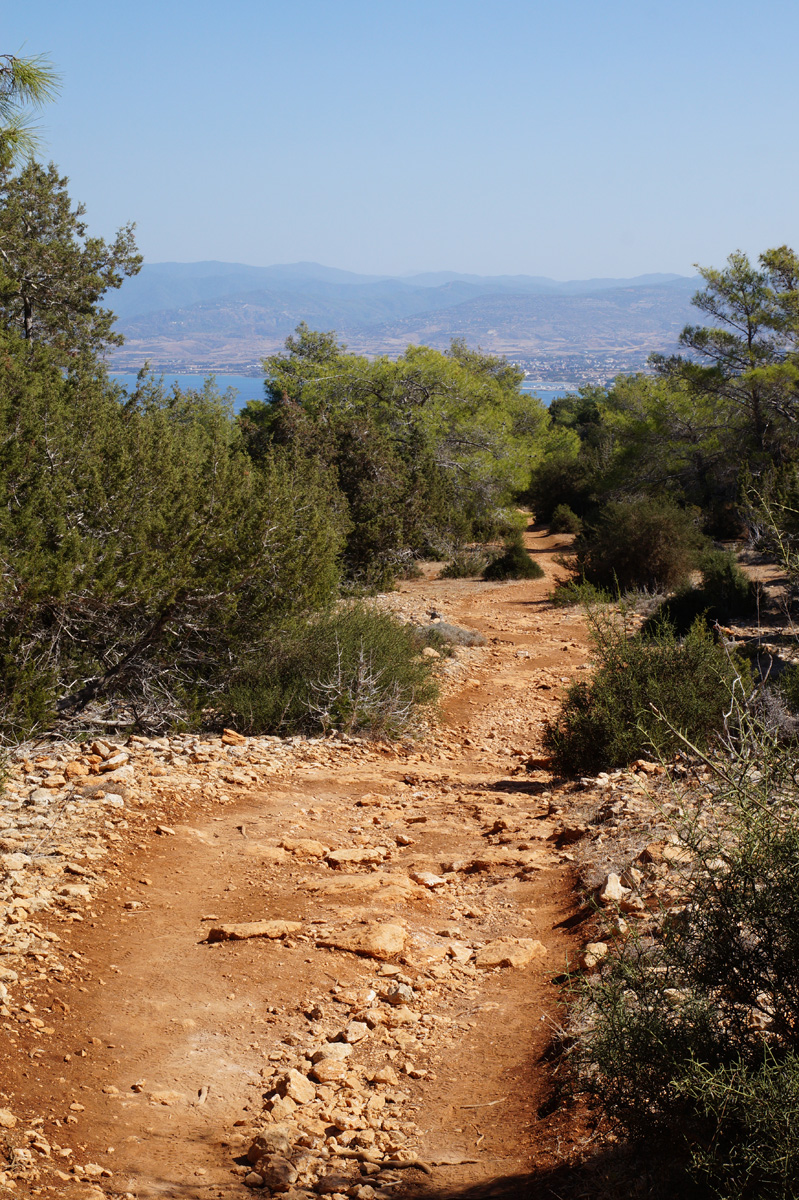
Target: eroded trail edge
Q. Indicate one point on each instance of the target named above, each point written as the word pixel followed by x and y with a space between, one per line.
pixel 323 966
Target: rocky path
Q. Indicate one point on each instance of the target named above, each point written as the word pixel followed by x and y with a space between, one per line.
pixel 234 967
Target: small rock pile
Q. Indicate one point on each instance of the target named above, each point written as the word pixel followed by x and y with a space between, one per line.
pixel 337 1120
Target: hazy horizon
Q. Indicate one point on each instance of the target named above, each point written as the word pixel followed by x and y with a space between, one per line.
pixel 415 274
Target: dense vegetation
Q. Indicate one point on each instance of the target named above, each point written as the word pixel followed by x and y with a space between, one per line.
pixel 155 548
pixel 650 473
pixel 141 553
pixel 187 566
pixel 688 1034
pixel 427 451
pixel 709 427
pixel 689 1039
pixel 644 691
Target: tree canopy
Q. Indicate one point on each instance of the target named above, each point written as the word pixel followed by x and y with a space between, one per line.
pixel 746 352
pixel 721 412
pixel 157 548
pixel 52 274
pixel 427 449
pixel 25 85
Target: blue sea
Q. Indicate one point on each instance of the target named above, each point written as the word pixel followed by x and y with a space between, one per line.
pixel 248 387
pixel 547 394
pixel 251 387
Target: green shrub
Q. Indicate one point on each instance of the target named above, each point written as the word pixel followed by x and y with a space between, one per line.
pixel 425 448
pixel 499 523
pixel 355 669
pixel 787 686
pixel 639 542
pixel 634 1038
pixel 578 591
pixel 514 562
pixel 564 520
pixel 724 594
pixel 694 1039
pixel 411 569
pixel 28 692
pixel 750 1107
pixel 432 636
pixel 611 720
pixel 466 565
pixel 727 585
pixel 562 477
pixel 144 551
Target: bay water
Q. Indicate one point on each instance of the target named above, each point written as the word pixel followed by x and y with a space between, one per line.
pixel 251 387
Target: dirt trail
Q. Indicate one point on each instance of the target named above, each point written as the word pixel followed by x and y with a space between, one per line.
pixel 166 1047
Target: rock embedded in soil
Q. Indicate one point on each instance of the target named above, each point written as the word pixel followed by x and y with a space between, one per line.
pixel 282 1108
pixel 612 890
pixel 231 738
pixel 305 847
pixel 329 1070
pixel 676 855
pixel 592 956
pixel 167 1098
pixel 396 994
pixel 385 1075
pixel 510 952
pixel 335 1181
pixel 297 1087
pixel 400 1016
pixel 339 1050
pixel 345 858
pixel 253 929
pixel 277 1173
pixel 374 940
pixel 273 1139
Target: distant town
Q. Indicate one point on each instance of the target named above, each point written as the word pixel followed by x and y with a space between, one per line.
pixel 574 370
pixel 225 318
pixel 550 372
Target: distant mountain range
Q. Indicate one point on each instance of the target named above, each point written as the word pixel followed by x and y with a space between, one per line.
pixel 227 316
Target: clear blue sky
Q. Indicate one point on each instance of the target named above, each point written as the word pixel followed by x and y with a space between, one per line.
pixel 568 138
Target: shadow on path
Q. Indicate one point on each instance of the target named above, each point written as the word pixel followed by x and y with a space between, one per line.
pixel 612 1174
pixel 528 787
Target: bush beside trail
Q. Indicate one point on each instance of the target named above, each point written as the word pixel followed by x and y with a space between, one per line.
pixel 514 562
pixel 638 542
pixel 619 715
pixel 353 669
pixel 153 543
pixel 564 520
pixel 724 594
pixel 690 1038
pixel 144 553
pixel 467 564
pixel 427 449
pixel 578 591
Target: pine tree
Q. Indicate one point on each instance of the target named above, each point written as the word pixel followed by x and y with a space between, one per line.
pixel 25 83
pixel 52 275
